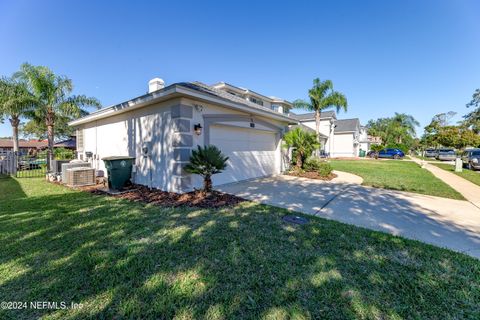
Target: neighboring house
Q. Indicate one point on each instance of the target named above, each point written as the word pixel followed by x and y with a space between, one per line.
pixel 161 128
pixel 339 137
pixel 70 143
pixel 24 146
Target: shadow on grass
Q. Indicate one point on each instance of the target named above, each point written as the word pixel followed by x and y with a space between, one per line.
pixel 126 260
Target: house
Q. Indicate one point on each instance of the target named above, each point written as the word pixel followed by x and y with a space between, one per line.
pixel 161 128
pixel 24 146
pixel 70 143
pixel 338 137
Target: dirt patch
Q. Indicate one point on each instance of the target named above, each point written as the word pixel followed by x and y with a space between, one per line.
pixel 311 175
pixel 198 199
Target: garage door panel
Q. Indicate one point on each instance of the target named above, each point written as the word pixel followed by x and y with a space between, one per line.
pixel 252 153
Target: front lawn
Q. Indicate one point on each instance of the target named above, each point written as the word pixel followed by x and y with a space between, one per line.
pixel 470 175
pixel 121 259
pixel 397 175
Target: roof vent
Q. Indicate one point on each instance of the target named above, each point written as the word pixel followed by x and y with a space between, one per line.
pixel 155 84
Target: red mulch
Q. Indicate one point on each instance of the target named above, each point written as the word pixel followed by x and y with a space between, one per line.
pixel 198 199
pixel 311 175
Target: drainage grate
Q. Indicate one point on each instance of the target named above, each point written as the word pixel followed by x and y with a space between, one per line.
pixel 295 219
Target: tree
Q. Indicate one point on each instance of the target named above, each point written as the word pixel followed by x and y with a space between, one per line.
pixel 15 103
pixel 397 131
pixel 54 99
pixel 303 142
pixel 472 119
pixel 322 97
pixel 36 128
pixel 206 162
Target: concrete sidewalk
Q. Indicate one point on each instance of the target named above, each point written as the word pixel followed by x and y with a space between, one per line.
pixel 453 224
pixel 469 190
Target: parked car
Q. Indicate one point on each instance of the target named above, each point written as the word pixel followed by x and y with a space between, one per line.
pixel 446 154
pixel 371 154
pixel 391 153
pixel 471 159
pixel 430 153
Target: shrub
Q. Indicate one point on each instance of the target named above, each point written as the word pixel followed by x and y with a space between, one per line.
pixel 323 168
pixel 303 142
pixel 206 162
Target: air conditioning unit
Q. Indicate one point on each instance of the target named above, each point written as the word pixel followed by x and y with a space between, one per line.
pixel 57 165
pixel 70 165
pixel 78 177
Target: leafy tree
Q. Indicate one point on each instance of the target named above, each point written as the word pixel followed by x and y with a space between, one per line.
pixel 54 99
pixel 396 131
pixel 15 103
pixel 36 128
pixel 303 142
pixel 206 162
pixel 472 119
pixel 322 97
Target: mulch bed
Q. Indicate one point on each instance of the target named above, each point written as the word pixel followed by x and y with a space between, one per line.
pixel 311 175
pixel 197 198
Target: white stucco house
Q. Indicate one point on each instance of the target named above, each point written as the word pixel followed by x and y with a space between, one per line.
pixel 339 137
pixel 161 127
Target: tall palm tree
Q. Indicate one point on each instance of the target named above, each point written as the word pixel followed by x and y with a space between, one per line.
pixel 54 99
pixel 15 102
pixel 403 125
pixel 322 97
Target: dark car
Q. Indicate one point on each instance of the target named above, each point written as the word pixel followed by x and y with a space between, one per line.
pixel 430 153
pixel 471 159
pixel 391 153
pixel 446 154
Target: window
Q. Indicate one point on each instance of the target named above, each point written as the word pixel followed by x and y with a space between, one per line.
pixel 255 100
pixel 274 107
pixel 80 143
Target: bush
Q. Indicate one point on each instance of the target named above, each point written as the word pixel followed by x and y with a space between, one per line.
pixel 323 168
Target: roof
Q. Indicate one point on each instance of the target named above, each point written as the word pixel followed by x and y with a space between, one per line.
pixel 347 125
pixel 8 143
pixel 191 89
pixel 311 115
pixel 306 128
pixel 69 143
pixel 248 91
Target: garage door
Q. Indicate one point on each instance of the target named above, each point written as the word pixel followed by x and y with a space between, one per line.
pixel 252 153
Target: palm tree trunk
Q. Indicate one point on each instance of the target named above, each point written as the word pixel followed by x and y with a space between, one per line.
pixel 317 130
pixel 299 161
pixel 207 184
pixel 50 121
pixel 15 122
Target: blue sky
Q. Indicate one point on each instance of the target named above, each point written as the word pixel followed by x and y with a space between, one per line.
pixel 417 57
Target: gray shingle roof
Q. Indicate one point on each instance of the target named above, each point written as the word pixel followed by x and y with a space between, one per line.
pixel 347 125
pixel 311 115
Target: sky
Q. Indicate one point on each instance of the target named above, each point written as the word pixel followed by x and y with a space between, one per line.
pixel 416 57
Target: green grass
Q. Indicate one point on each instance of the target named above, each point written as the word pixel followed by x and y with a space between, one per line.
pixel 470 175
pixel 397 175
pixel 121 259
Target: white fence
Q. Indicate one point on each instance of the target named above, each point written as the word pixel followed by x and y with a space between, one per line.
pixel 8 163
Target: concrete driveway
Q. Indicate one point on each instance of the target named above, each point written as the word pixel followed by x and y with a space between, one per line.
pixel 449 223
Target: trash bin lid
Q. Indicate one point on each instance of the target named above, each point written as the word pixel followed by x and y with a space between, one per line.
pixel 118 158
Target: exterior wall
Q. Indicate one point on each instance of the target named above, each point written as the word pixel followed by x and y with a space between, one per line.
pixel 166 129
pixel 344 145
pixel 325 129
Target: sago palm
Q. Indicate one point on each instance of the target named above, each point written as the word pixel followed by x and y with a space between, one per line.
pixel 207 161
pixel 322 97
pixel 54 98
pixel 303 142
pixel 16 102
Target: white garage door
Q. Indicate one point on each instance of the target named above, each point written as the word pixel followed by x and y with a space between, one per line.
pixel 252 153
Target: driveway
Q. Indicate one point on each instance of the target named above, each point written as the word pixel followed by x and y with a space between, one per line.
pixel 449 223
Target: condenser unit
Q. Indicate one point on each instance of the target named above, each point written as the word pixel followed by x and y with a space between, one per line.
pixel 70 165
pixel 78 177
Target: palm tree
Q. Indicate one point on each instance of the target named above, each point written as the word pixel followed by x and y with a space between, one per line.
pixel 303 143
pixel 403 125
pixel 322 97
pixel 15 102
pixel 206 162
pixel 54 99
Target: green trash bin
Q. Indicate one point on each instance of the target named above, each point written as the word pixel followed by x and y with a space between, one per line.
pixel 362 153
pixel 119 171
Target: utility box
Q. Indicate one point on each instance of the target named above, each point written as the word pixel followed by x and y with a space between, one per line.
pixel 458 165
pixel 119 171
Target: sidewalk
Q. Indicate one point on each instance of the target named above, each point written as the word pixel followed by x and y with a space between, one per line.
pixel 469 190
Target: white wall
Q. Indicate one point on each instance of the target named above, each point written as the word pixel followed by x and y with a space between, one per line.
pixel 344 145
